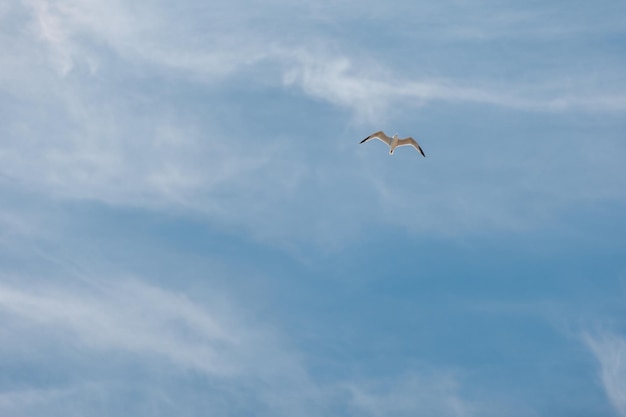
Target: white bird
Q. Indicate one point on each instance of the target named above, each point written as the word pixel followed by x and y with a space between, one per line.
pixel 394 142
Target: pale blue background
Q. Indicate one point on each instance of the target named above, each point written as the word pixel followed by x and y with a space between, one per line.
pixel 188 226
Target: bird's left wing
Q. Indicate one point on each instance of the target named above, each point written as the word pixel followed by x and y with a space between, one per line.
pixel 411 142
pixel 380 135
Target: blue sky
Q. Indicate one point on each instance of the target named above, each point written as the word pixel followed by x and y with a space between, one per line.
pixel 189 227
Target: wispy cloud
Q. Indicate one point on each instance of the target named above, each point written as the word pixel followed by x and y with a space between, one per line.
pixel 144 35
pixel 150 327
pixel 241 359
pixel 123 317
pixel 610 351
pixel 245 116
pixel 374 89
pixel 90 114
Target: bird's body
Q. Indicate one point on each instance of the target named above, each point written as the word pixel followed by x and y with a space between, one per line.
pixel 394 142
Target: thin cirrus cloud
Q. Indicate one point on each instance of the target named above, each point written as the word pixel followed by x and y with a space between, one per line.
pixel 610 351
pixel 118 318
pixel 72 29
pixel 213 111
pixel 322 74
pixel 337 81
pixel 130 324
pixel 143 324
pixel 88 143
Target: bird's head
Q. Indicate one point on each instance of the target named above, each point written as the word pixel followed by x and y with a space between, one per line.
pixel 395 136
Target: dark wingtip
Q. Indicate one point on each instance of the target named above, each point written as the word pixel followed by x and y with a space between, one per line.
pixel 364 139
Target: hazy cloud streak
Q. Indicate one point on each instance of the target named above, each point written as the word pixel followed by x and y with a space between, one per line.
pixel 610 351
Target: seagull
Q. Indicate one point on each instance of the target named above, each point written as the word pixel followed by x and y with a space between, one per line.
pixel 394 142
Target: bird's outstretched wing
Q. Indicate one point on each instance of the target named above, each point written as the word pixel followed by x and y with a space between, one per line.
pixel 380 136
pixel 411 142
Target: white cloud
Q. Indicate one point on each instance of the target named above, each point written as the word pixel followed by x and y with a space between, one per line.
pixel 90 115
pixel 372 91
pixel 146 327
pixel 129 316
pixel 146 35
pixel 610 351
pixel 242 360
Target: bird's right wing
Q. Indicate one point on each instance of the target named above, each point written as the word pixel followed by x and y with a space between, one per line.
pixel 380 136
pixel 411 142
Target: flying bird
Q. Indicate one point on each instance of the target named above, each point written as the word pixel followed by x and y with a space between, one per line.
pixel 394 142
